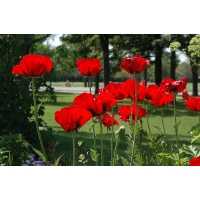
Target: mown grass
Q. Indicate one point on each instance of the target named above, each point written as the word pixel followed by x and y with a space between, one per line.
pixel 187 118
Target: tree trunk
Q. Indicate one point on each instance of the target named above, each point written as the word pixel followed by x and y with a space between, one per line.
pixel 97 84
pixel 173 61
pixel 158 61
pixel 195 79
pixel 85 81
pixel 173 65
pixel 104 44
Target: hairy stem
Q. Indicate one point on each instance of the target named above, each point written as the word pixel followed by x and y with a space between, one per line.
pixel 199 117
pixel 112 138
pixel 73 146
pixel 94 134
pixel 89 82
pixel 101 134
pixel 136 117
pixel 36 122
pixel 175 122
pixel 147 118
pixel 162 120
pixel 115 152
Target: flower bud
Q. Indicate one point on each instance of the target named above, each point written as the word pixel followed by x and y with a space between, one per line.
pixel 119 135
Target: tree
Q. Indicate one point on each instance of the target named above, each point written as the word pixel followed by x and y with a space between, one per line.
pixel 15 99
pixel 184 40
pixel 173 59
pixel 158 61
pixel 192 52
pixel 104 44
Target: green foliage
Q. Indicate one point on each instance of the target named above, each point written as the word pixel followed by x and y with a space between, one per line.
pixel 16 113
pixel 16 104
pixel 16 149
pixel 3 156
pixel 194 46
pixel 190 150
pixel 56 163
pixel 155 145
pixel 95 156
pixel 48 94
pixel 174 46
pixel 125 161
pixel 195 132
pixel 40 154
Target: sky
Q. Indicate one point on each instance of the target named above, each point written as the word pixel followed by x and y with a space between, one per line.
pixel 55 41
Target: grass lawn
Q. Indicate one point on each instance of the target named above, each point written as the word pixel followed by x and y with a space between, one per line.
pixel 188 119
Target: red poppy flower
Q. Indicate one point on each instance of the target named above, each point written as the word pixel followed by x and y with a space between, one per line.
pixel 89 66
pixel 192 103
pixel 72 117
pixel 116 89
pixel 135 64
pixel 170 85
pixel 160 98
pixel 129 86
pixel 107 120
pixel 195 161
pixel 185 95
pixel 150 88
pixel 97 105
pixel 124 112
pixel 33 65
pixel 142 91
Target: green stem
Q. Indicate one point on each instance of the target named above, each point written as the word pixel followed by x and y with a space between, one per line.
pixel 147 117
pixel 115 152
pixel 133 135
pixel 162 119
pixel 175 126
pixel 73 146
pixel 135 127
pixel 101 134
pixel 131 122
pixel 133 149
pixel 36 122
pixel 199 117
pixel 89 82
pixel 94 134
pixel 112 138
pixel 136 107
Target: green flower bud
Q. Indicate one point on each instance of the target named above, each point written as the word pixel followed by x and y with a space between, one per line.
pixel 119 135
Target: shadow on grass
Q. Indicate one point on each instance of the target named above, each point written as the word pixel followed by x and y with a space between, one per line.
pixel 64 140
pixel 65 146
